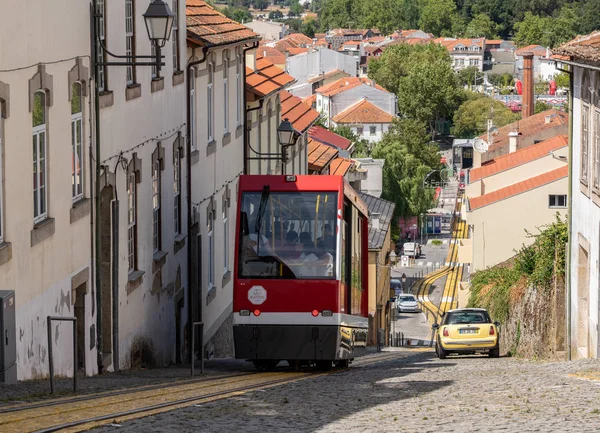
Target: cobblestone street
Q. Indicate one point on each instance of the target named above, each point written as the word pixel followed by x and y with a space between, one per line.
pixel 415 393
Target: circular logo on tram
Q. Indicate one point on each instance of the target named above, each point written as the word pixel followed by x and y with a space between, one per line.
pixel 257 295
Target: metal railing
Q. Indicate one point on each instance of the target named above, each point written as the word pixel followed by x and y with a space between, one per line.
pixel 50 358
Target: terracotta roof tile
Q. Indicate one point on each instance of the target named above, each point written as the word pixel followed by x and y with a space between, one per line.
pixel 344 84
pixel 266 79
pixel 325 136
pixel 299 39
pixel 537 50
pixel 310 100
pixel 528 126
pixel 319 155
pixel 296 51
pixel 521 156
pixel 582 47
pixel 340 166
pixel 208 27
pixel 327 75
pixel 300 115
pixel 494 41
pixel 363 112
pixel 518 188
pixel 273 55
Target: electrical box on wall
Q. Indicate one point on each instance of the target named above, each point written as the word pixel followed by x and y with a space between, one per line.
pixel 8 335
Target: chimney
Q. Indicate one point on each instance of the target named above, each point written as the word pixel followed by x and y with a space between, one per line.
pixel 251 59
pixel 527 103
pixel 513 141
pixel 375 220
pixel 548 118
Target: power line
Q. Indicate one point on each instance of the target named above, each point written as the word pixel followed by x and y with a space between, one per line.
pixel 218 190
pixel 45 63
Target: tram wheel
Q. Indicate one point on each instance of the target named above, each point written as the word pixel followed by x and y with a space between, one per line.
pixel 265 364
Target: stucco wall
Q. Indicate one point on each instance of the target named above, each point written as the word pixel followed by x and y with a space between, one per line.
pixel 499 228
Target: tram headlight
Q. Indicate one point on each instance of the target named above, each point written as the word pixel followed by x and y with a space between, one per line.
pixel 244 312
pixel 327 313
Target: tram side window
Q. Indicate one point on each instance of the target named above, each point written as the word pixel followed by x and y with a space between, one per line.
pixel 288 235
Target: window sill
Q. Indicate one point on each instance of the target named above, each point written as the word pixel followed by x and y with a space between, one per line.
pixel 158 260
pixel 80 209
pixel 157 84
pixel 178 78
pixel 133 91
pixel 5 252
pixel 194 157
pixel 226 278
pixel 179 242
pixel 106 99
pixel 211 293
pixel 134 280
pixel 211 148
pixel 42 230
pixel 226 139
pixel 238 131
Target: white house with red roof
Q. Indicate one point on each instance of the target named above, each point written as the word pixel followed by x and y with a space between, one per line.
pixel 464 52
pixel 359 103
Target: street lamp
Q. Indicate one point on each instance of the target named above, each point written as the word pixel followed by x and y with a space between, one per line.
pixel 393 257
pixel 159 22
pixel 287 137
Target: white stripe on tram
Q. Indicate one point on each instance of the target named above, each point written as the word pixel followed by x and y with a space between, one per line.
pixel 337 319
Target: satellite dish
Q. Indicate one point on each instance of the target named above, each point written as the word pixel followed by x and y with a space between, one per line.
pixel 480 145
pixel 493 131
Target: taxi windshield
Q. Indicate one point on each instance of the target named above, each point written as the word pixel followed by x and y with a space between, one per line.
pixel 289 235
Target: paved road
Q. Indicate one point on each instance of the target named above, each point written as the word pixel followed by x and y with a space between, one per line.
pixel 415 393
pixel 414 326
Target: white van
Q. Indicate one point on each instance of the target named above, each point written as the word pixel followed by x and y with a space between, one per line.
pixel 412 249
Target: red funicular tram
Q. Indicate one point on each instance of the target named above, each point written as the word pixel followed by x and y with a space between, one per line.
pixel 300 285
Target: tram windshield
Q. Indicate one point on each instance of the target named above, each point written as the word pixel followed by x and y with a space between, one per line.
pixel 288 235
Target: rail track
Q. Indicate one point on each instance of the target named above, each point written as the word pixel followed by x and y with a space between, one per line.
pixel 88 411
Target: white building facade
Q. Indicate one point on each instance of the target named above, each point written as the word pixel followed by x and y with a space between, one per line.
pixel 45 239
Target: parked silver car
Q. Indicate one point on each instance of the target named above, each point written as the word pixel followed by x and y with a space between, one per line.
pixel 407 304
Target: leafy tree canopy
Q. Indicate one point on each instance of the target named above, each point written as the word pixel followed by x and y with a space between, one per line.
pixel 437 16
pixel 481 26
pixel 470 120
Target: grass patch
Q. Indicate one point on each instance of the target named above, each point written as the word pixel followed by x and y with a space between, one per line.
pixel 436 242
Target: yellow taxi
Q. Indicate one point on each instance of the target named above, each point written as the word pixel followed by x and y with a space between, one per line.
pixel 466 331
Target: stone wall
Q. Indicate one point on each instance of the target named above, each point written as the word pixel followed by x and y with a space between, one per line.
pixel 536 324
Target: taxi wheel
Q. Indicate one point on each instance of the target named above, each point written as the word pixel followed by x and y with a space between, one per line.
pixel 495 352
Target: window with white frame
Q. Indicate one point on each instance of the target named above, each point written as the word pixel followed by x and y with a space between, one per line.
pixel 211 246
pixel 210 101
pixel 130 39
pixel 175 37
pixel 192 137
pixel 226 91
pixel 100 10
pixel 557 200
pixel 131 221
pixel 76 143
pixel 177 188
pixel 240 87
pixel 40 175
pixel 1 176
pixel 156 202
pixel 226 202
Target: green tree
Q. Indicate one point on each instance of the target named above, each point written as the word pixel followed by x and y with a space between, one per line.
pixel 296 9
pixel 361 146
pixel 541 106
pixel 481 26
pixel 590 16
pixel 562 80
pixel 261 5
pixel 470 120
pixel 547 31
pixel 470 76
pixel 339 14
pixel 309 27
pixel 437 16
pixel 275 15
pixel 409 157
pixel 241 15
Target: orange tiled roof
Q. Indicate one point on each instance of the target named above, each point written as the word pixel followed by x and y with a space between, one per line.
pixel 266 79
pixel 537 50
pixel 344 84
pixel 207 27
pixel 363 112
pixel 518 188
pixel 299 114
pixel 528 126
pixel 310 100
pixel 466 42
pixel 521 156
pixel 295 51
pixel 271 54
pixel 299 39
pixel 494 41
pixel 583 47
pixel 319 155
pixel 340 166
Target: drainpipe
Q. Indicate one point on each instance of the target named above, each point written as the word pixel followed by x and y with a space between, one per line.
pixel 97 193
pixel 246 111
pixel 570 216
pixel 189 195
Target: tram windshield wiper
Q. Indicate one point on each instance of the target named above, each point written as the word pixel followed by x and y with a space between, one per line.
pixel 264 198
